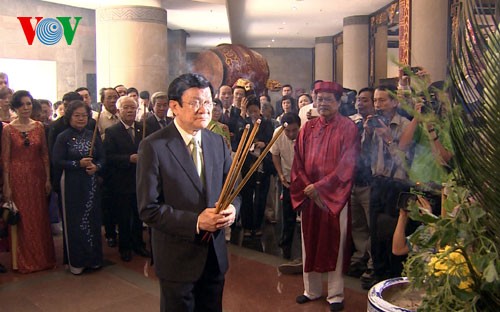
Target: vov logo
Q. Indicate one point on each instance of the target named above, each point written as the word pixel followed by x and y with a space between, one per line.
pixel 49 30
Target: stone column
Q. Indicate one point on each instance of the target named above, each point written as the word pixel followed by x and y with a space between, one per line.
pixel 323 58
pixel 356 51
pixel 131 45
pixel 429 36
pixel 338 48
pixel 177 53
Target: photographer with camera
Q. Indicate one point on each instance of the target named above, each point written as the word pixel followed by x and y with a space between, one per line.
pixel 430 145
pixel 382 132
pixel 400 241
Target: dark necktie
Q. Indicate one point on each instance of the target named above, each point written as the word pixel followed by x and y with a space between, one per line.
pixel 130 131
pixel 226 115
pixel 163 123
pixel 197 155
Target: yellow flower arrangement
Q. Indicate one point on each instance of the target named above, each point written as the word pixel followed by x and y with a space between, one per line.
pixel 453 259
pixel 451 262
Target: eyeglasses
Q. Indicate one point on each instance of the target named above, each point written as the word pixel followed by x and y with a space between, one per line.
pixel 196 104
pixel 26 140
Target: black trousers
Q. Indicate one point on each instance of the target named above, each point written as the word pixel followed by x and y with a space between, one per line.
pixel 289 221
pixel 383 219
pixel 253 199
pixel 129 224
pixel 203 295
pixel 107 205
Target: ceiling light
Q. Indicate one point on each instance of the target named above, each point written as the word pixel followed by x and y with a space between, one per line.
pixel 272 40
pixel 284 23
pixel 268 45
pixel 294 8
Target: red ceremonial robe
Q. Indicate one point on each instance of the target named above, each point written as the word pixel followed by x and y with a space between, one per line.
pixel 325 155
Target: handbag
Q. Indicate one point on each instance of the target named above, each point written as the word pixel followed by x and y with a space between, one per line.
pixel 10 213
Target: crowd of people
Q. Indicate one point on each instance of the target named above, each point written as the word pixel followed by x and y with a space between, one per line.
pixel 338 170
pixel 355 153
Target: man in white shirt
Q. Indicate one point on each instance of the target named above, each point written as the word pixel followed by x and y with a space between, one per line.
pixel 282 152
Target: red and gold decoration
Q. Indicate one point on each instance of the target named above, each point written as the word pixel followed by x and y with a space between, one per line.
pixel 404 31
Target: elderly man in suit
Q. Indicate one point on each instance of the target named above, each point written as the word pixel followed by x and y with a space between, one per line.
pixel 179 178
pixel 158 120
pixel 121 144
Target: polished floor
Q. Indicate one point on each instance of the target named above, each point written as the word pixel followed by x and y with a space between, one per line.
pixel 253 283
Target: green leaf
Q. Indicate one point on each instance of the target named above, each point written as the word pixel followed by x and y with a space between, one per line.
pixel 490 274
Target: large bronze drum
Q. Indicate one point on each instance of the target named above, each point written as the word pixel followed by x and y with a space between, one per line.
pixel 226 63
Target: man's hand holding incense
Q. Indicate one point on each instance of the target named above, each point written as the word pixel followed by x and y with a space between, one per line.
pixel 208 220
pixel 229 215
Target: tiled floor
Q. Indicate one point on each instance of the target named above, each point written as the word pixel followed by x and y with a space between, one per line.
pixel 253 283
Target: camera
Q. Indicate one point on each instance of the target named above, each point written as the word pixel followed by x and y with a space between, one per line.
pixel 430 105
pixel 416 69
pixel 411 70
pixel 374 121
pixel 404 200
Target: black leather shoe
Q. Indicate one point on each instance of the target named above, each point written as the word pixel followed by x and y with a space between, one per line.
pixel 368 279
pixel 356 269
pixel 111 242
pixel 126 255
pixel 337 306
pixel 143 252
pixel 302 299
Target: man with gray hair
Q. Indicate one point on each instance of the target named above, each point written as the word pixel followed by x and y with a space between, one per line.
pixel 158 120
pixel 121 145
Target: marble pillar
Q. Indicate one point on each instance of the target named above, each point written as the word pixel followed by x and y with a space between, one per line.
pixel 131 45
pixel 356 51
pixel 177 53
pixel 323 58
pixel 429 36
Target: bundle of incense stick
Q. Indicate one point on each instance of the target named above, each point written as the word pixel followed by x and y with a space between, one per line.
pixel 227 196
pixel 229 193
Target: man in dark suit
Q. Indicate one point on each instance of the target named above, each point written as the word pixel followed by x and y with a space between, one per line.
pixel 158 120
pixel 120 144
pixel 177 179
pixel 232 116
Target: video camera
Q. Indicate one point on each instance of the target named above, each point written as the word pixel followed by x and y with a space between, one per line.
pixel 430 104
pixel 374 121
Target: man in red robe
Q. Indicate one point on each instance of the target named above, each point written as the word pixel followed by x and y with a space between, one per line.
pixel 321 181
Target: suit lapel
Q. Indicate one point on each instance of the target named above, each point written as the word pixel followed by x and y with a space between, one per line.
pixel 138 134
pixel 180 152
